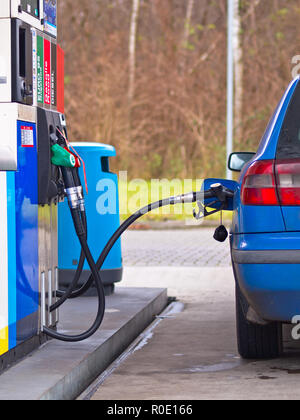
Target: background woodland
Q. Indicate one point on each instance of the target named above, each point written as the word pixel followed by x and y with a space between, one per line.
pixel 149 77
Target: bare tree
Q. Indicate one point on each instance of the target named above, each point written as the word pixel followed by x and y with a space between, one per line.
pixel 187 23
pixel 132 47
pixel 176 116
pixel 238 70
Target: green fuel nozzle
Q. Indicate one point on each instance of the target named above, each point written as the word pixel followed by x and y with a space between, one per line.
pixel 67 162
pixel 61 157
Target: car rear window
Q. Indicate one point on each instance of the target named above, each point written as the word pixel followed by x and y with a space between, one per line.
pixel 289 140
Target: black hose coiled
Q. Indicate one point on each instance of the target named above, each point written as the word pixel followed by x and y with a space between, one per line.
pixel 79 227
pixel 79 221
pixel 83 289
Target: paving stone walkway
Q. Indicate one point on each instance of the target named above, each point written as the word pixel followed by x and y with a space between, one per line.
pixel 181 247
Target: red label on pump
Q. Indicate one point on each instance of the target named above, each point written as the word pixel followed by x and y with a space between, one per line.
pixel 60 80
pixel 47 72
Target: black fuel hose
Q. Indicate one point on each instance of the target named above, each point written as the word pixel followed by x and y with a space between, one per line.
pixel 96 278
pixel 66 294
pixel 192 197
pixel 95 267
pixel 71 180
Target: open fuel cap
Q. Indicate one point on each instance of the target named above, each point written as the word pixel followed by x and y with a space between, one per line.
pixel 221 234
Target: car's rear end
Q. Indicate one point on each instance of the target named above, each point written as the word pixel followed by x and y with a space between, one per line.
pixel 265 236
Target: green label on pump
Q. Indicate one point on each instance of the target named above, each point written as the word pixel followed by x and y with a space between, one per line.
pixel 40 69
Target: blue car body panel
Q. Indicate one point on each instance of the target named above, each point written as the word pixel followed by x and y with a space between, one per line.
pixel 291 217
pixel 271 289
pixel 252 219
pixel 268 144
pixel 265 240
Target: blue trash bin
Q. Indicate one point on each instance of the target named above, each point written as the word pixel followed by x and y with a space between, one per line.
pixel 102 207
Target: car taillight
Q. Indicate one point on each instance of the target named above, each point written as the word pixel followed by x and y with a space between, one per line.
pixel 288 181
pixel 272 183
pixel 259 185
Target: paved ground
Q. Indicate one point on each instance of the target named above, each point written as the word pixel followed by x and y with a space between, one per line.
pixel 60 370
pixel 185 247
pixel 192 354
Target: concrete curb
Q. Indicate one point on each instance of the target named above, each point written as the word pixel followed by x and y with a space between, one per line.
pixel 62 371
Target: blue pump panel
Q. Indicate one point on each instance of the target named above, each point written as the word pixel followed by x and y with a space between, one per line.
pixel 22 243
pixel 102 206
pixel 27 229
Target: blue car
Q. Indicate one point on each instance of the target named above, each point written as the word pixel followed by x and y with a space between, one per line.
pixel 265 233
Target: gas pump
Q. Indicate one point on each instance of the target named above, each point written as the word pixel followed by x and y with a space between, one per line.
pixel 16 70
pixel 31 112
pixel 28 11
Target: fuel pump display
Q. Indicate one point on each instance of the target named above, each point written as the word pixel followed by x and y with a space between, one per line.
pixel 31 66
pixel 32 7
pixel 16 59
pixel 28 11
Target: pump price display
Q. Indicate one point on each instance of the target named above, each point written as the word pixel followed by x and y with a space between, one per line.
pixel 31 7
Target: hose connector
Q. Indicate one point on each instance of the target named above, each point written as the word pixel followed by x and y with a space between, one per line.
pixel 184 198
pixel 81 201
pixel 72 195
pixel 75 198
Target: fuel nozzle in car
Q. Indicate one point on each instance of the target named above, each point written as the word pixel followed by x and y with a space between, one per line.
pixel 218 191
pixel 222 194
